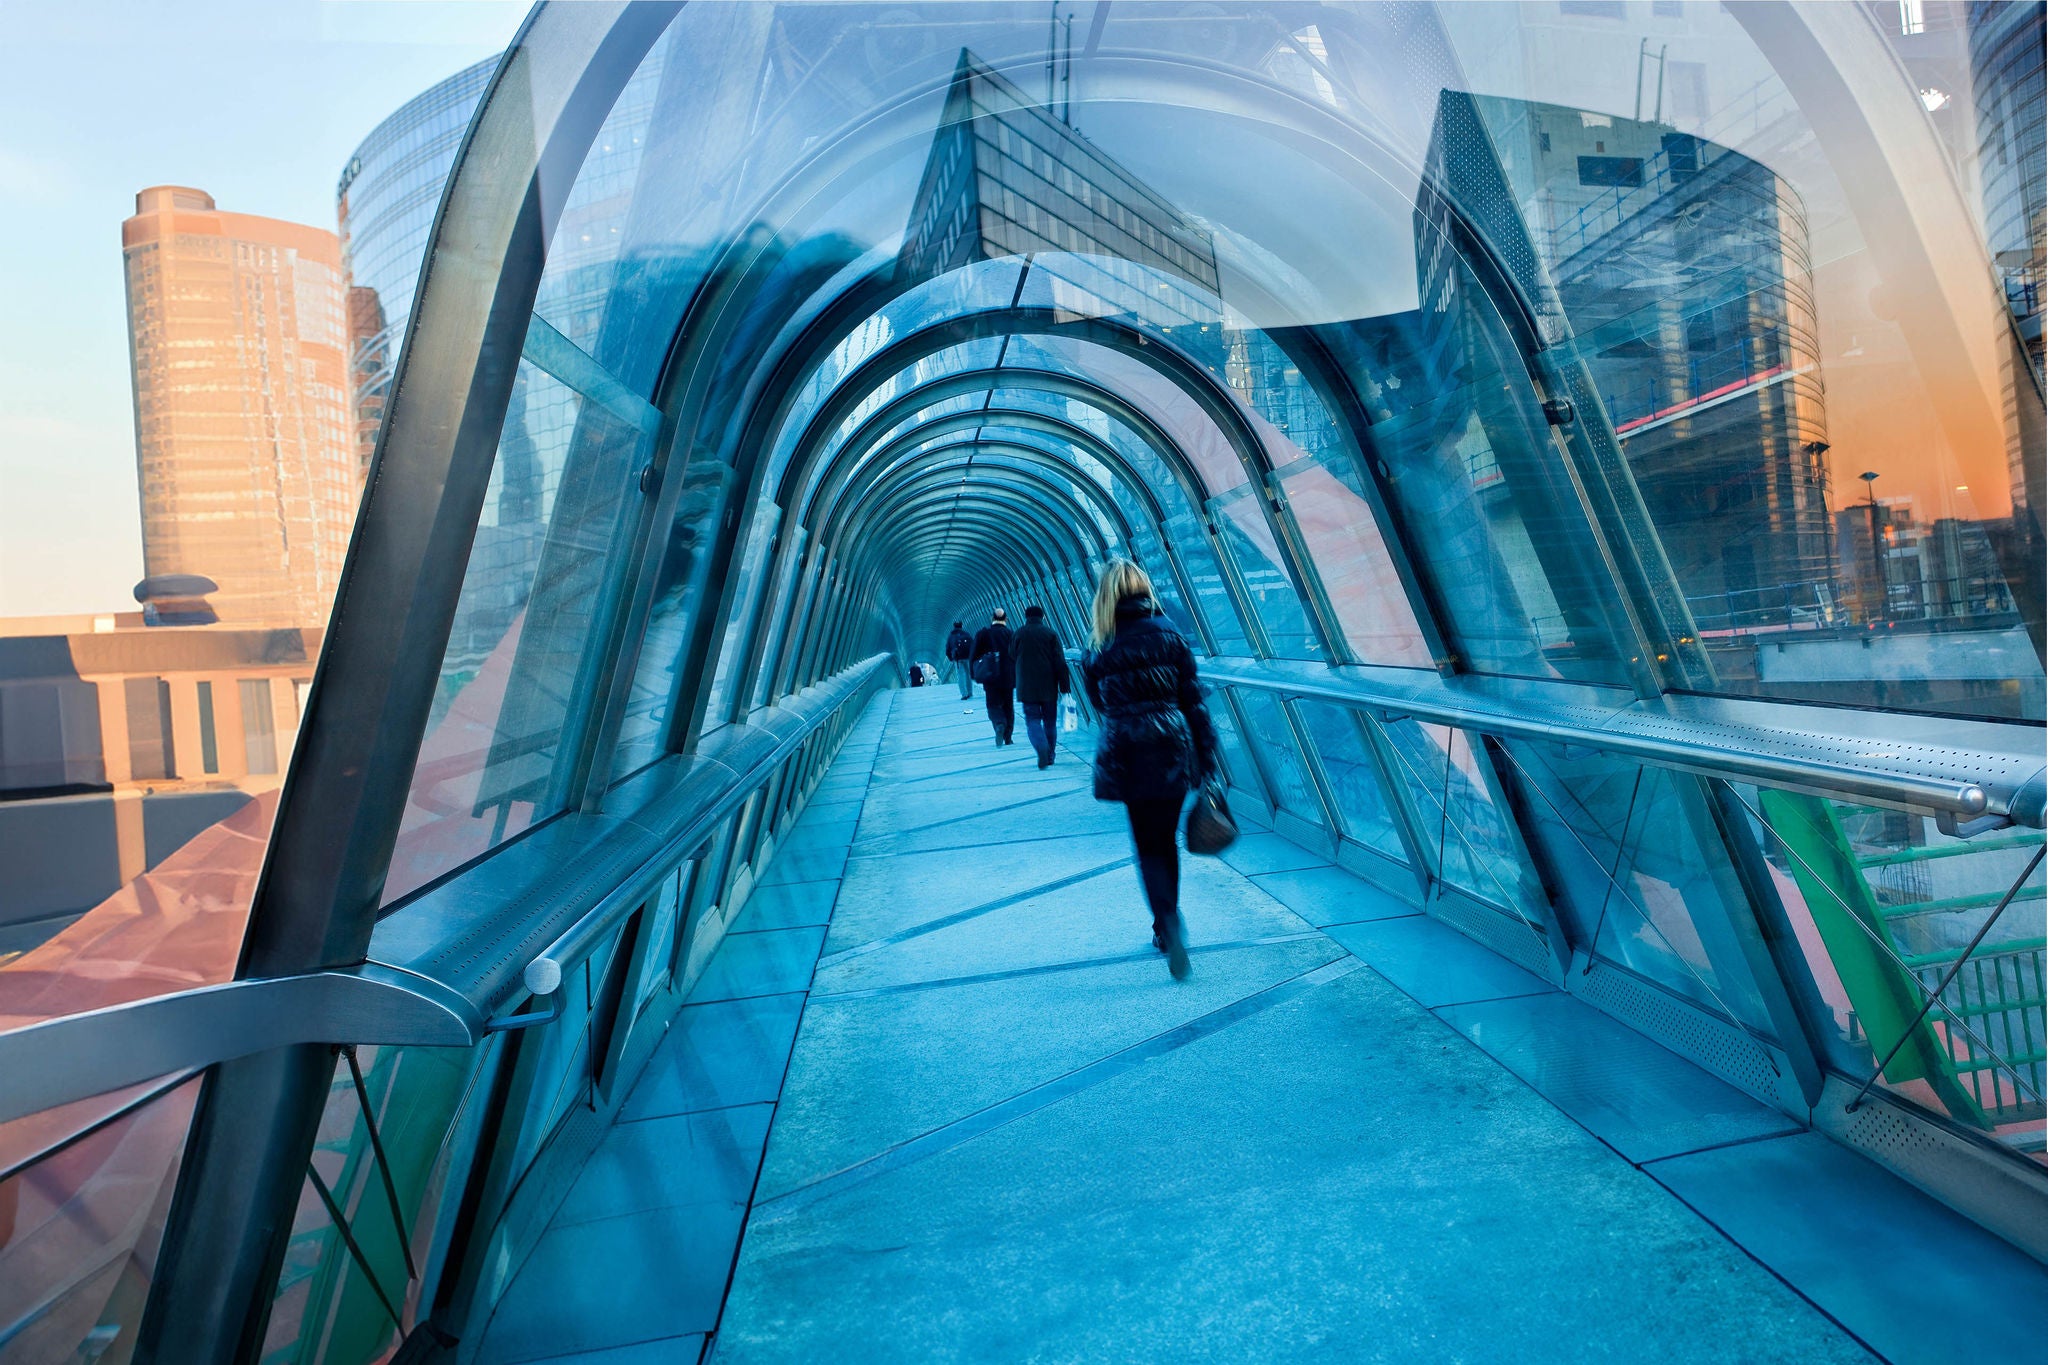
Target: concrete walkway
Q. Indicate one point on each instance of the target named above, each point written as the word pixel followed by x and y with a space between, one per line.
pixel 1006 1134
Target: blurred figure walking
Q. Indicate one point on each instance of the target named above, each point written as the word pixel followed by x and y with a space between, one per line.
pixel 1157 741
pixel 995 668
pixel 1042 679
pixel 960 657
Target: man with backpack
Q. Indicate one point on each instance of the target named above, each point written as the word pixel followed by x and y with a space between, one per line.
pixel 995 668
pixel 960 654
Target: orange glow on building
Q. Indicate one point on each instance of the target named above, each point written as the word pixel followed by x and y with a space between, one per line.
pixel 244 452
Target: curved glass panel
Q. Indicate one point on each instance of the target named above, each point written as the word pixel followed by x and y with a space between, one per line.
pixel 540 573
pixel 1355 785
pixel 81 1222
pixel 1645 879
pixel 1927 953
pixel 1273 742
pixel 1823 403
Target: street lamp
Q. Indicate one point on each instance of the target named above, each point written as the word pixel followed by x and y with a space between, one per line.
pixel 1869 477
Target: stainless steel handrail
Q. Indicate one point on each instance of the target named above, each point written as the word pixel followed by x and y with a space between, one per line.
pixel 568 889
pixel 71 1057
pixel 543 975
pixel 1933 764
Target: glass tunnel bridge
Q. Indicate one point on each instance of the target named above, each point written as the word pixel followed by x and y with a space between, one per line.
pixel 630 961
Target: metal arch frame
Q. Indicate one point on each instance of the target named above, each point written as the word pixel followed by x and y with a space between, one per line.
pixel 1217 403
pixel 855 471
pixel 1246 95
pixel 316 899
pixel 1496 281
pixel 978 532
pixel 1053 508
pixel 1016 552
pixel 830 162
pixel 909 508
pixel 1126 475
pixel 1030 508
pixel 818 475
pixel 897 464
pixel 1156 439
pixel 992 567
pixel 948 457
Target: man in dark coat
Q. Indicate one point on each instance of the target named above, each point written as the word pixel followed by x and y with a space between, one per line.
pixel 960 655
pixel 1041 681
pixel 996 639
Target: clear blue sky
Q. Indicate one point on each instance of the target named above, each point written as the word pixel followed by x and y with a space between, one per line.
pixel 258 102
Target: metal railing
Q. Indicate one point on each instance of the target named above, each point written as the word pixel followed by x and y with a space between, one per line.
pixel 441 965
pixel 1940 766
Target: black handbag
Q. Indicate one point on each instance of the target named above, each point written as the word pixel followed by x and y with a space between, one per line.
pixel 987 668
pixel 1210 827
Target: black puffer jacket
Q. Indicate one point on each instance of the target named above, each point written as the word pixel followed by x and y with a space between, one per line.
pixel 1157 738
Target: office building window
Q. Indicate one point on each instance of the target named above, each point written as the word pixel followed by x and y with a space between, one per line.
pixel 1688 90
pixel 151 755
pixel 209 745
pixel 259 725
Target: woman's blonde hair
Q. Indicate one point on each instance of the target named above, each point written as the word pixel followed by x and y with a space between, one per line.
pixel 1120 579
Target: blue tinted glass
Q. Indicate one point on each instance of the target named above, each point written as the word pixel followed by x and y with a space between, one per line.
pixel 1273 742
pixel 1362 803
pixel 538 576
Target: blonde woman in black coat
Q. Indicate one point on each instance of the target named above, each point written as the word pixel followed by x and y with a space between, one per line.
pixel 1157 742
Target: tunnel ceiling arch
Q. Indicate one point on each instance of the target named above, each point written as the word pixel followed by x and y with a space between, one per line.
pixel 907 344
pixel 1362 361
pixel 1496 439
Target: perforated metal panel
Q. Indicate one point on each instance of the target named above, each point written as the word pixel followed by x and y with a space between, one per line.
pixel 1312 837
pixel 1884 1132
pixel 1518 941
pixel 1715 1044
pixel 2002 1190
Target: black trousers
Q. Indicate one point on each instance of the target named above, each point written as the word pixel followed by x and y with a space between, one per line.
pixel 1153 826
pixel 1001 714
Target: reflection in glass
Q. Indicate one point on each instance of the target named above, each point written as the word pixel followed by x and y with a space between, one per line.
pixel 679 597
pixel 80 1225
pixel 1646 882
pixel 327 1305
pixel 1274 744
pixel 1354 778
pixel 1329 510
pixel 1883 905
pixel 530 600
pixel 1244 532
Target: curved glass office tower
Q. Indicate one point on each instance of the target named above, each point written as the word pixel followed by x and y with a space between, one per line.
pixel 1588 445
pixel 384 204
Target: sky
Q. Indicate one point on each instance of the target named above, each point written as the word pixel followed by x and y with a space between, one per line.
pixel 258 102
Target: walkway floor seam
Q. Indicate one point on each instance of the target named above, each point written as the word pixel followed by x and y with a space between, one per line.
pixel 962 916
pixel 1078 964
pixel 971 815
pixel 951 1135
pixel 1007 843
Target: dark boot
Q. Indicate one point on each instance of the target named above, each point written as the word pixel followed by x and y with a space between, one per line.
pixel 1176 935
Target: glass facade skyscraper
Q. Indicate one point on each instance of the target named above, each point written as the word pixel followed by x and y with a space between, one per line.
pixel 237 348
pixel 385 206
